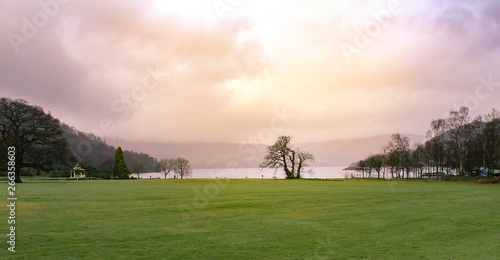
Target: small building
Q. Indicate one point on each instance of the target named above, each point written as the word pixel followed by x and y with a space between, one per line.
pixel 77 172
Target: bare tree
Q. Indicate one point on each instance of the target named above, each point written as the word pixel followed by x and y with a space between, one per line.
pixel 277 155
pixel 282 155
pixel 167 166
pixel 182 167
pixel 137 167
pixel 36 136
pixel 456 127
pixel 436 143
pixel 362 165
pixel 375 162
pixel 303 159
pixel 398 150
pixel 491 133
pixel 419 157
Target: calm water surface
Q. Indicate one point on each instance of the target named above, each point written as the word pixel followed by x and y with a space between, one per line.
pixel 319 173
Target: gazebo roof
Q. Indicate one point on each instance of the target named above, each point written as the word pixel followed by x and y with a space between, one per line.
pixel 78 168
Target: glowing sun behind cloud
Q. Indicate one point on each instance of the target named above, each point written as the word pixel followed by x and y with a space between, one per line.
pixel 227 74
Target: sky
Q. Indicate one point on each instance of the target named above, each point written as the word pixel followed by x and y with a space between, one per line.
pixel 248 71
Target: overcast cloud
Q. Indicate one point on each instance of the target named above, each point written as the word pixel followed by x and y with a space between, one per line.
pixel 188 72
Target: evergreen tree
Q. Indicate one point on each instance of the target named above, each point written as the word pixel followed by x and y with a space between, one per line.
pixel 121 169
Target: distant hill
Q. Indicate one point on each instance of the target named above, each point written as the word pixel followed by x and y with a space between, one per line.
pixel 217 155
pixel 92 150
pixel 202 155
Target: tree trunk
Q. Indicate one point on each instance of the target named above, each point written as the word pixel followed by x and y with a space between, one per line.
pixel 19 165
pixel 288 174
pixel 285 167
pixel 298 169
pixel 18 175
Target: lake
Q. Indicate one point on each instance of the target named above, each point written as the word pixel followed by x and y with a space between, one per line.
pixel 335 172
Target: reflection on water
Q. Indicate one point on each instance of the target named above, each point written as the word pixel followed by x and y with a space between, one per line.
pixel 254 173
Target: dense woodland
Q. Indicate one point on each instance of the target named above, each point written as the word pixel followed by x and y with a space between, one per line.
pixel 43 144
pixel 457 145
pixel 97 157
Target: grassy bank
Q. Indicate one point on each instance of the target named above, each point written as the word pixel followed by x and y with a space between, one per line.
pixel 254 219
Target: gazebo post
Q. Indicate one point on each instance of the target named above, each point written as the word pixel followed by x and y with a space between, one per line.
pixel 79 170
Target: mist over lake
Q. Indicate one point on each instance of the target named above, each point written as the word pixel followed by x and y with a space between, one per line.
pixel 253 173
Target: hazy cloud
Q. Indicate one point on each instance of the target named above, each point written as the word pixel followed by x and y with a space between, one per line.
pixel 221 79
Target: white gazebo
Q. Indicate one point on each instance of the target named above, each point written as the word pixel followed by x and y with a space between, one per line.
pixel 77 172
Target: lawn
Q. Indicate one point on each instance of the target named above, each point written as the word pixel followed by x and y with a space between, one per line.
pixel 254 219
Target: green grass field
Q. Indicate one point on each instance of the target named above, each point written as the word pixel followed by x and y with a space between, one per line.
pixel 254 219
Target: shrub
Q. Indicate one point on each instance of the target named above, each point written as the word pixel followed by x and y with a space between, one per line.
pixel 62 172
pixel 488 181
pixel 458 178
pixel 91 171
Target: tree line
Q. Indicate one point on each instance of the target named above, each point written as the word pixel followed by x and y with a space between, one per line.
pixel 91 150
pixel 457 145
pixel 44 144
